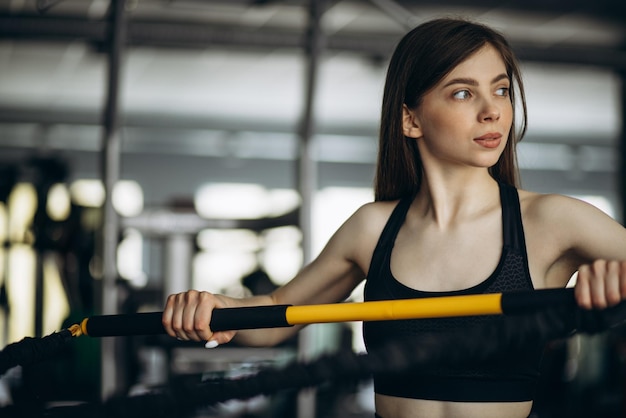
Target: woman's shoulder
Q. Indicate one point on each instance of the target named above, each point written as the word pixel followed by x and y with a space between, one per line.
pixel 374 214
pixel 543 201
pixel 572 226
pixel 553 208
pixel 357 237
pixel 368 221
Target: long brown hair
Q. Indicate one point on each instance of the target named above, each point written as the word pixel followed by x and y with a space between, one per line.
pixel 422 58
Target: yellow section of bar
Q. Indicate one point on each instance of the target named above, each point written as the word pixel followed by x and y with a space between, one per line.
pixel 436 307
pixel 83 326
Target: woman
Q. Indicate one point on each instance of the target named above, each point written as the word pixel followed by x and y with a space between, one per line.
pixel 447 219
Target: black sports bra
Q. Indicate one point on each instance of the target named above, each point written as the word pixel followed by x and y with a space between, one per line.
pixel 513 379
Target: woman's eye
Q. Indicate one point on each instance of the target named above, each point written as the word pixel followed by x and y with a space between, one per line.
pixel 502 91
pixel 461 94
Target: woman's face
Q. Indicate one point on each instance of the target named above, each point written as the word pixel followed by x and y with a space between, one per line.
pixel 465 119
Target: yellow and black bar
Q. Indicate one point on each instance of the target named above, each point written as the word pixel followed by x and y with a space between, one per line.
pixel 275 316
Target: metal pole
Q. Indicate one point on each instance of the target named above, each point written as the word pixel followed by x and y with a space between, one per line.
pixel 307 179
pixel 178 259
pixel 111 369
pixel 621 168
pixel 621 185
pixel 307 166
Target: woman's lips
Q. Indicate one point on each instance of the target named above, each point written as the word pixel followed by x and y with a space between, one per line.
pixel 490 140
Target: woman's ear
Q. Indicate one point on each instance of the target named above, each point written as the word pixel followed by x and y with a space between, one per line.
pixel 410 125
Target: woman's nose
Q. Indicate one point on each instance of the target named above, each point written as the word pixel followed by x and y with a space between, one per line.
pixel 489 112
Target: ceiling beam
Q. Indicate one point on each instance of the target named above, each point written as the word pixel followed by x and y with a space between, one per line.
pixel 610 10
pixel 188 35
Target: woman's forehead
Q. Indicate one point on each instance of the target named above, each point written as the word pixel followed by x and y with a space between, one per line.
pixel 485 63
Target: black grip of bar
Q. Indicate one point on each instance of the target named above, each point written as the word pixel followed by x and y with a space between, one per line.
pixel 123 325
pixel 251 317
pixel 527 301
pixel 149 323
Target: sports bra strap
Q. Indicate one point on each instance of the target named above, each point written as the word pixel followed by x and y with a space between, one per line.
pixel 389 233
pixel 513 234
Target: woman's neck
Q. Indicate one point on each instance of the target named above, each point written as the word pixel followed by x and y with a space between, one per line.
pixel 450 199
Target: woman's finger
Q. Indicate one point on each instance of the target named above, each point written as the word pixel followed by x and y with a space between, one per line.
pixel 190 308
pixel 597 284
pixel 612 283
pixel 168 313
pixel 622 279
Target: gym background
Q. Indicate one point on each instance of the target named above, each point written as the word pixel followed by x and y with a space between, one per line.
pixel 152 146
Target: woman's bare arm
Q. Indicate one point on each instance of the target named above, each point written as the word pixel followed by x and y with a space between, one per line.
pixel 330 278
pixel 584 239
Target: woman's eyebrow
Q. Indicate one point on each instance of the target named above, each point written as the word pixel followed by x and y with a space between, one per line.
pixel 500 77
pixel 472 82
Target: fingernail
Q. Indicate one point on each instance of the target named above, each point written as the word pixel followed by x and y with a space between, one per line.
pixel 211 344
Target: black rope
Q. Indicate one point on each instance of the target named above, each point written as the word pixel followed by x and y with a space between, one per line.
pixel 479 344
pixel 32 350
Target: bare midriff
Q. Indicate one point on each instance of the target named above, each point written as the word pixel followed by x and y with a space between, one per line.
pixel 394 407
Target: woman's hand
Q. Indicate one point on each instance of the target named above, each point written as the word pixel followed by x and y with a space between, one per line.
pixel 601 284
pixel 187 317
